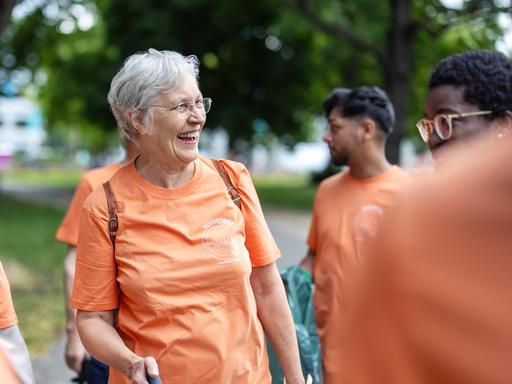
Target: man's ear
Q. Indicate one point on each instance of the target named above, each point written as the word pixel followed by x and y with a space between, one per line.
pixel 136 118
pixel 503 125
pixel 368 128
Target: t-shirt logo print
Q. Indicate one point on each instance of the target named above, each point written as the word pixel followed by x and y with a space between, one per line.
pixel 366 222
pixel 218 239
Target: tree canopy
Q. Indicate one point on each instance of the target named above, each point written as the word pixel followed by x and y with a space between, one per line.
pixel 267 65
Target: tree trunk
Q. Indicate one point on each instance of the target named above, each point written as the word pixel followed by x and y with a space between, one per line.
pixel 398 72
pixel 6 7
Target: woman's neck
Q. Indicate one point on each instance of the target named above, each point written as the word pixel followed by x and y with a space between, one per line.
pixel 164 175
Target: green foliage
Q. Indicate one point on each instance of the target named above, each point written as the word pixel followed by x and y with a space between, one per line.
pixel 246 79
pixel 290 192
pixel 263 61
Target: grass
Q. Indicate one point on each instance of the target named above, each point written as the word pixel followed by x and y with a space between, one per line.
pixel 292 192
pixel 33 260
pixel 51 178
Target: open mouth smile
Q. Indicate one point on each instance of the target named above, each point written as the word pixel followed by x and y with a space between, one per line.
pixel 189 137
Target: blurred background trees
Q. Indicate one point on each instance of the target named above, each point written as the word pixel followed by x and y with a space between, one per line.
pixel 268 65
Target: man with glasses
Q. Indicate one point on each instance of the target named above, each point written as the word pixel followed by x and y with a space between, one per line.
pixel 348 207
pixel 469 95
pixel 435 305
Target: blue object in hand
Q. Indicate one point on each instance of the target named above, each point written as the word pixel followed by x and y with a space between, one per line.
pixel 153 380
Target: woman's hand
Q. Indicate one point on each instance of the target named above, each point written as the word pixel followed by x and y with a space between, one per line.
pixel 101 339
pixel 141 368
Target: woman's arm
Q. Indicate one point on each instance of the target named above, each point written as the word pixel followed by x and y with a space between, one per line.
pixel 276 318
pixel 103 342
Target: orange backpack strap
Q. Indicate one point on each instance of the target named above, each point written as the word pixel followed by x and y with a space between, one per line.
pixel 233 192
pixel 112 213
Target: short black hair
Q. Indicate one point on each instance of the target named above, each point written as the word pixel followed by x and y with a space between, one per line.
pixel 486 77
pixel 336 98
pixel 367 101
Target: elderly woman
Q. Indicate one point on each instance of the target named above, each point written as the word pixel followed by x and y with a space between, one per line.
pixel 193 275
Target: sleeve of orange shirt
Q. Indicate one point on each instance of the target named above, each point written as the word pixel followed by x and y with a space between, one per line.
pixel 258 239
pixel 7 313
pixel 95 287
pixel 68 229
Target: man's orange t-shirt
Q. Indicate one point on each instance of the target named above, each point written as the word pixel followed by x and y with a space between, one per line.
pixel 435 303
pixel 346 214
pixel 7 314
pixel 90 180
pixel 182 264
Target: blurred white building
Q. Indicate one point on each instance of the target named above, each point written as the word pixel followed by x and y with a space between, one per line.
pixel 21 128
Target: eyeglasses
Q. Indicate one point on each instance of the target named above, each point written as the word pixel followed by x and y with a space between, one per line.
pixel 442 124
pixel 203 105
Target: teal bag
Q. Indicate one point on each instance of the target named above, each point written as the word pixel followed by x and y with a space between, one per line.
pixel 299 292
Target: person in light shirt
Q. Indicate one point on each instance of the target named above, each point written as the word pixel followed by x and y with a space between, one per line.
pixel 11 340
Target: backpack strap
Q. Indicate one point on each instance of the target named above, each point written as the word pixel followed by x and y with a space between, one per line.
pixel 113 222
pixel 233 192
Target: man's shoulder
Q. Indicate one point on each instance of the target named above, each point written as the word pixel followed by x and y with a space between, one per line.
pixel 396 175
pixel 333 181
pixel 399 172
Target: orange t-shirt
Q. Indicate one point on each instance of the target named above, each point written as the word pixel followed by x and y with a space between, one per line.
pixel 90 180
pixel 7 373
pixel 435 303
pixel 346 214
pixel 7 313
pixel 183 262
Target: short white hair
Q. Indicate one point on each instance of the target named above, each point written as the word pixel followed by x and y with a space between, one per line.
pixel 143 77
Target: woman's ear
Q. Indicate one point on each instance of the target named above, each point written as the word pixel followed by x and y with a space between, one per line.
pixel 503 125
pixel 136 119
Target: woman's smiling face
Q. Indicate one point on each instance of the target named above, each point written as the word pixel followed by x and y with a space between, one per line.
pixel 174 135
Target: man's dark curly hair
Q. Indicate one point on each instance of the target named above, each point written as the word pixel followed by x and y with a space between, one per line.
pixel 485 75
pixel 364 101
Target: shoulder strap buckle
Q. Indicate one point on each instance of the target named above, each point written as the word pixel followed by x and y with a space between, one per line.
pixel 233 192
pixel 113 222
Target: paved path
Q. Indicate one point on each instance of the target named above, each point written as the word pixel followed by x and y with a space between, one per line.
pixel 52 369
pixel 288 227
pixel 290 230
pixel 56 197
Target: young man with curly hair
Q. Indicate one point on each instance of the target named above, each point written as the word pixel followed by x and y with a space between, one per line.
pixel 470 95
